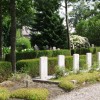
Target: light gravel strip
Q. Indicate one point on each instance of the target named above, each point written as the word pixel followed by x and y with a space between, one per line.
pixel 91 92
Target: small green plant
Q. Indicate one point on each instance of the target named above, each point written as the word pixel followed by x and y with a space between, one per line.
pixel 87 77
pixel 4 94
pixel 29 53
pixel 30 94
pixel 59 72
pixel 23 43
pixel 17 76
pixel 67 85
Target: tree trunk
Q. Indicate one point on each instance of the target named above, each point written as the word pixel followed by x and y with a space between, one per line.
pixel 13 34
pixel 0 29
pixel 67 25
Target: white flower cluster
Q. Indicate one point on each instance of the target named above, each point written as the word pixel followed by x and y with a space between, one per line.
pixel 79 41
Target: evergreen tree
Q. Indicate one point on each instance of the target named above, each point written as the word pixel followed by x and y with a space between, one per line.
pixel 49 24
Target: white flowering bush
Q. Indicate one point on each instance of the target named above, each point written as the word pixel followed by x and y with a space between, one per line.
pixel 79 41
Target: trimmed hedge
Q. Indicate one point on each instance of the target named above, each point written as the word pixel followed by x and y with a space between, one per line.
pixel 5 70
pixel 97 49
pixel 37 54
pixel 31 66
pixel 83 51
pixel 30 94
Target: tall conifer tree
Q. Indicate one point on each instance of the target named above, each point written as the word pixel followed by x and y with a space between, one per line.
pixel 48 22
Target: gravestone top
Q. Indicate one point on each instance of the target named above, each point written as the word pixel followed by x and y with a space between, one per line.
pixel 36 47
pixel 54 48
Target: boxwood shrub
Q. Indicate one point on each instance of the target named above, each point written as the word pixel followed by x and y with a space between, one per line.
pixel 31 66
pixel 37 54
pixel 5 70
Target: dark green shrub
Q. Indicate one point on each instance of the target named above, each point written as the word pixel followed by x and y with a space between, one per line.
pixel 22 55
pixel 5 70
pixel 37 54
pixel 82 51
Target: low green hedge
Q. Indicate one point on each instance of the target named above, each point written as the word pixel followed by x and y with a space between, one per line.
pixel 37 54
pixel 98 49
pixel 30 94
pixel 83 51
pixel 31 66
pixel 67 83
pixel 5 70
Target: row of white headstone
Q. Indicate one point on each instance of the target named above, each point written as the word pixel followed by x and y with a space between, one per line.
pixel 61 64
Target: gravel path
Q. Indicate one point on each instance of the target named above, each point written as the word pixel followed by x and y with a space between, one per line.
pixel 91 92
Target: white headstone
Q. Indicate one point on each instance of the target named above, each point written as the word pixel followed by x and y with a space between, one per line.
pixel 99 60
pixel 54 48
pixel 36 47
pixel 61 61
pixel 44 68
pixel 89 60
pixel 58 48
pixel 92 45
pixel 75 63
